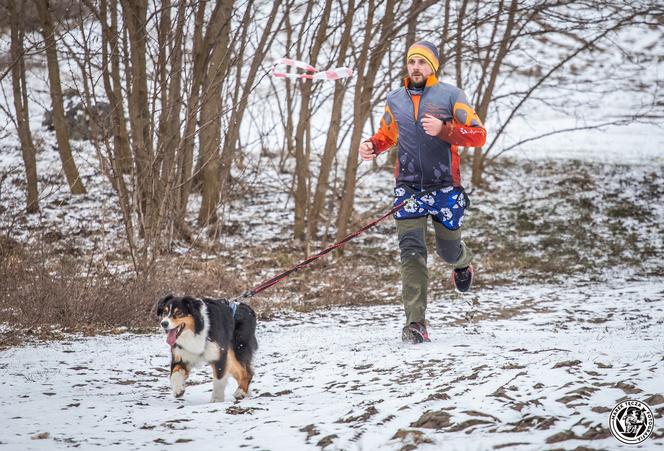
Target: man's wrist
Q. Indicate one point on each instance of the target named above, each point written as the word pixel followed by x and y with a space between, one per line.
pixel 446 130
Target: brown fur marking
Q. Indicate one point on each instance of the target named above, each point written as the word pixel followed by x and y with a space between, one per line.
pixel 180 367
pixel 188 322
pixel 238 371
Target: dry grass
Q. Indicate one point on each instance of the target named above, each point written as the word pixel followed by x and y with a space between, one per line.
pixel 42 300
pixel 69 296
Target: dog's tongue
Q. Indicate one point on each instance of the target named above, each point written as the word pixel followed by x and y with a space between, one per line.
pixel 171 337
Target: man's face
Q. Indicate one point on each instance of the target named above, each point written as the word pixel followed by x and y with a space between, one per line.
pixel 418 70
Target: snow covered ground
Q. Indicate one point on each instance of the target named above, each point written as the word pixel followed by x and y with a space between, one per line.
pixel 523 368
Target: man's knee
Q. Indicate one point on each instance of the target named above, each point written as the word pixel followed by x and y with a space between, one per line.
pixel 412 245
pixel 449 250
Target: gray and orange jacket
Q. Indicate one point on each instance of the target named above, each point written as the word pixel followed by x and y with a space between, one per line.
pixel 425 161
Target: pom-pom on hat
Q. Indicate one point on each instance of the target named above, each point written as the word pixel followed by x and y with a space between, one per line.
pixel 426 50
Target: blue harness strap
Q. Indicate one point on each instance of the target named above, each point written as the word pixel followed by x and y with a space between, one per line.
pixel 233 306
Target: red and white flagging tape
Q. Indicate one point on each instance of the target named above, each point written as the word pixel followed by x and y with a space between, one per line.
pixel 311 73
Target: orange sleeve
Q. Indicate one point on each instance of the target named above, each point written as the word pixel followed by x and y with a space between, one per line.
pixel 387 134
pixel 461 135
pixel 466 128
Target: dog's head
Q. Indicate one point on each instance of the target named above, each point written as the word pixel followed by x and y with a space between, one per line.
pixel 178 315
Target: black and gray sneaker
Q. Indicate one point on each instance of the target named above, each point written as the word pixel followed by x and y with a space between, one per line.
pixel 463 278
pixel 415 333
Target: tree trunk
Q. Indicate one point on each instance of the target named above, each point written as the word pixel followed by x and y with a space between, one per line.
pixel 21 104
pixel 444 34
pixel 61 130
pixel 459 44
pixel 241 102
pixel 483 107
pixel 331 144
pixel 289 106
pixel 120 155
pixel 301 158
pixel 185 151
pixel 146 176
pixel 211 110
pixel 362 106
pixel 170 62
pixel 411 33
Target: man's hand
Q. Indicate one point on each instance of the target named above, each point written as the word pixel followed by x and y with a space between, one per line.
pixel 433 126
pixel 367 151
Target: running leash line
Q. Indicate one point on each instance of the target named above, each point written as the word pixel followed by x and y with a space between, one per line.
pixel 281 276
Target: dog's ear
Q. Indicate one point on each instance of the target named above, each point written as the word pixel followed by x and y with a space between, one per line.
pixel 162 303
pixel 193 307
pixel 188 303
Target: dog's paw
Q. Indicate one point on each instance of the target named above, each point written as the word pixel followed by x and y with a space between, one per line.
pixel 217 398
pixel 177 384
pixel 240 394
pixel 178 393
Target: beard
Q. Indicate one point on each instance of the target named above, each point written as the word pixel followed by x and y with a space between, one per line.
pixel 418 85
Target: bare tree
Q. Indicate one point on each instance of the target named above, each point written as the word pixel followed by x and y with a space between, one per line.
pixel 245 85
pixel 363 99
pixel 21 104
pixel 185 149
pixel 366 69
pixel 61 130
pixel 302 159
pixel 119 154
pixel 331 140
pixel 170 51
pixel 545 20
pixel 180 77
pixel 211 109
pixel 485 94
pixel 461 17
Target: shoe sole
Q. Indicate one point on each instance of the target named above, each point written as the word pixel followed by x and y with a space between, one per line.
pixel 472 277
pixel 411 338
pixel 408 336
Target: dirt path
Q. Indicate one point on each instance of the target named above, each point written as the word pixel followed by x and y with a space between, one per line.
pixel 519 369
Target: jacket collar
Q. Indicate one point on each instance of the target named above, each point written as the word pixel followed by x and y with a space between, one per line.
pixel 431 80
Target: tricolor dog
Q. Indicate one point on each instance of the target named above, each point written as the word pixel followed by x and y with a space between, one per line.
pixel 213 331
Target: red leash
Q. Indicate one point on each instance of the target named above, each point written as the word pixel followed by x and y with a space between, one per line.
pixel 279 277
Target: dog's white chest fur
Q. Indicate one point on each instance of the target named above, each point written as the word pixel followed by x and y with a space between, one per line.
pixel 195 349
pixel 209 351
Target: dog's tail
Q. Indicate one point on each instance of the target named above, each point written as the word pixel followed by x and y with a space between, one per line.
pixel 244 336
